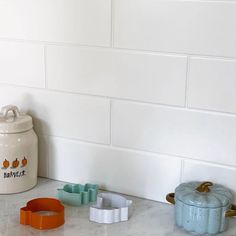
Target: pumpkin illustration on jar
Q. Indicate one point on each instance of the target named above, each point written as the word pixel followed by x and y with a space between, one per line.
pixel 24 162
pixel 15 163
pixel 6 164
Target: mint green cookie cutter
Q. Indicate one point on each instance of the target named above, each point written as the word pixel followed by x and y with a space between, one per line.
pixel 78 194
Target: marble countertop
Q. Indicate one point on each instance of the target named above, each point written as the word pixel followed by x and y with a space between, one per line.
pixel 147 218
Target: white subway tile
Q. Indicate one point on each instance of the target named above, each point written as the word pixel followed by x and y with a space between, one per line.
pixel 200 27
pixel 22 64
pixel 198 171
pixel 61 114
pixel 174 131
pixel 128 172
pixel 212 84
pixel 74 21
pixel 139 76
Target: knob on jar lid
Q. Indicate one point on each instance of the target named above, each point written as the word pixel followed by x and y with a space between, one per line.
pixel 12 121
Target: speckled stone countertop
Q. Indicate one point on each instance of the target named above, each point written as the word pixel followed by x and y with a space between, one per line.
pixel 148 218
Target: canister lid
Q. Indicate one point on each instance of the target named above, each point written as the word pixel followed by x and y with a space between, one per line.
pixel 12 121
pixel 204 194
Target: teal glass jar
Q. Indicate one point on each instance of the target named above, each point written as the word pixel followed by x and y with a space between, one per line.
pixel 202 208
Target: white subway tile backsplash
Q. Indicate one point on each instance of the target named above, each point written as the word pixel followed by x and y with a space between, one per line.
pixel 67 115
pixel 139 76
pixel 174 131
pixel 41 47
pixel 74 21
pixel 199 27
pixel 118 170
pixel 198 171
pixel 22 64
pixel 212 84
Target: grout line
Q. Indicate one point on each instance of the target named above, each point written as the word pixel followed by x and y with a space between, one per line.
pixel 51 43
pixel 134 50
pixel 216 164
pixel 180 108
pixel 45 67
pixel 187 81
pixel 112 24
pixel 139 102
pixel 173 53
pixel 79 140
pixel 211 112
pixel 53 90
pixel 207 1
pixel 110 122
pixel 183 158
pixel 181 171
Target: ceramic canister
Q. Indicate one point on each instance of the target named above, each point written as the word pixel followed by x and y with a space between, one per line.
pixel 202 208
pixel 18 151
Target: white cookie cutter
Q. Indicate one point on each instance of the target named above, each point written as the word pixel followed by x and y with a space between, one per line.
pixel 110 208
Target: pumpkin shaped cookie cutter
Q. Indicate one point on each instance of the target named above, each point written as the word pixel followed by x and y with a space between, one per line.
pixel 110 208
pixel 31 214
pixel 78 194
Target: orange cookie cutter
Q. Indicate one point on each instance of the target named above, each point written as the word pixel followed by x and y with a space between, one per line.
pixel 30 215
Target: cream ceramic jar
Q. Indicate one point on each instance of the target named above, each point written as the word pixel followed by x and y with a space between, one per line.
pixel 18 151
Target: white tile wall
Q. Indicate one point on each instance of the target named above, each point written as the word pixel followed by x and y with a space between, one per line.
pixel 139 76
pixel 185 133
pixel 61 114
pixel 109 167
pixel 135 120
pixel 199 27
pixel 22 64
pixel 73 21
pixel 212 84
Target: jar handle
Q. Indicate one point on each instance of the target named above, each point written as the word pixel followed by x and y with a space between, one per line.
pixel 12 108
pixel 231 212
pixel 170 198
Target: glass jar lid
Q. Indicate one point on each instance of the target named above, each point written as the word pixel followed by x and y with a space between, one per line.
pixel 12 121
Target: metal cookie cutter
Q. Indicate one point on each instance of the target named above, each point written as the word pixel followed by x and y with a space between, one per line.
pixel 78 194
pixel 110 208
pixel 32 213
